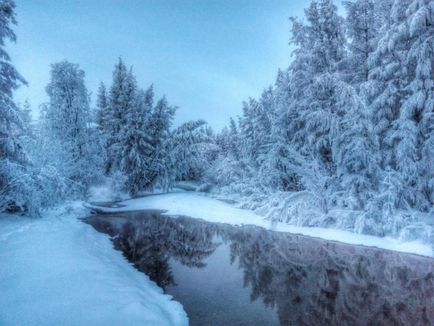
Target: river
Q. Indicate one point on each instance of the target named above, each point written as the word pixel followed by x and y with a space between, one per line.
pixel 229 275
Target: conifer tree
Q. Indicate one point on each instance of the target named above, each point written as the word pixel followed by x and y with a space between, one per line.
pixel 362 25
pixel 160 174
pixel 122 99
pixel 102 104
pixel 10 121
pixel 67 120
pixel 136 146
pixel 13 159
pixel 191 146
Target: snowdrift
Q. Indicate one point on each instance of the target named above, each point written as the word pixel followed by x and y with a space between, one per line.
pixel 58 270
pixel 197 205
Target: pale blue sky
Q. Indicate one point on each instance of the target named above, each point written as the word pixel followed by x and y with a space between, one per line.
pixel 207 56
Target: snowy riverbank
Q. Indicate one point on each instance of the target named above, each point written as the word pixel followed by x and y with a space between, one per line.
pixel 199 206
pixel 58 270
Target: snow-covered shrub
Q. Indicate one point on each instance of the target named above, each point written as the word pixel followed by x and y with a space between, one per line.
pixel 29 190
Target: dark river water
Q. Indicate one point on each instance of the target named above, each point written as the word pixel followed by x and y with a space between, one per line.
pixel 227 275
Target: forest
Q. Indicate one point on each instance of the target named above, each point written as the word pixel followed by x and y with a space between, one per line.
pixel 344 138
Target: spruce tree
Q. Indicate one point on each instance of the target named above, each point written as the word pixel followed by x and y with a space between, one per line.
pixel 10 121
pixel 362 25
pixel 416 121
pixel 161 170
pixel 102 104
pixel 136 146
pixel 192 146
pixel 67 119
pixel 122 99
pixel 13 159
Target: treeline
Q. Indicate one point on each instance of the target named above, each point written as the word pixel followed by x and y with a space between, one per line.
pixel 127 140
pixel 350 122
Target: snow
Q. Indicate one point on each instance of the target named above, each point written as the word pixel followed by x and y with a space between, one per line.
pixel 102 192
pixel 58 270
pixel 106 192
pixel 199 206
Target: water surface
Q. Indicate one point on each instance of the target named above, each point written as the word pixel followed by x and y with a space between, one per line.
pixel 228 275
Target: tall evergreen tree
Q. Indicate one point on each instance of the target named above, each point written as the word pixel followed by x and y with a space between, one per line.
pixel 102 103
pixel 192 146
pixel 136 145
pixel 415 125
pixel 356 151
pixel 315 80
pixel 13 160
pixel 10 122
pixel 320 49
pixel 384 90
pixel 362 24
pixel 67 118
pixel 122 99
pixel 161 170
pixel 24 186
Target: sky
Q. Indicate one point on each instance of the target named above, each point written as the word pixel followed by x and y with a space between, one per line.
pixel 206 56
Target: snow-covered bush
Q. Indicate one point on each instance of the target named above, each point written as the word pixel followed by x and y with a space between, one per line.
pixel 31 189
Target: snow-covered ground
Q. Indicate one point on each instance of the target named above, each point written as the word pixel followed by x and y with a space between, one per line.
pixel 57 270
pixel 199 206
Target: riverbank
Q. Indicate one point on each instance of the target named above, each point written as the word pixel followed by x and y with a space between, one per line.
pixel 194 204
pixel 58 270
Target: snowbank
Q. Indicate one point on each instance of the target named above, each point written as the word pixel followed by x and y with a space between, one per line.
pixel 199 206
pixel 58 270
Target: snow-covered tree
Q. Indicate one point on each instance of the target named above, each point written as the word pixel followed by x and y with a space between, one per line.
pixel 355 151
pixel 248 131
pixel 228 140
pixel 24 186
pixel 329 46
pixel 67 118
pixel 381 216
pixel 362 24
pixel 26 114
pixel 255 127
pixel 136 148
pixel 122 99
pixel 137 133
pixel 401 100
pixel 417 117
pixel 385 87
pixel 193 149
pixel 320 50
pixel 10 121
pixel 161 171
pixel 13 159
pixel 102 103
pixel 280 159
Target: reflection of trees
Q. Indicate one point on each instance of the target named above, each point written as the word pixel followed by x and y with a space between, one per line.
pixel 309 281
pixel 313 282
pixel 149 240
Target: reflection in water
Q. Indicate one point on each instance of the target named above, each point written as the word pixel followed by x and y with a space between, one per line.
pixel 306 281
pixel 149 243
